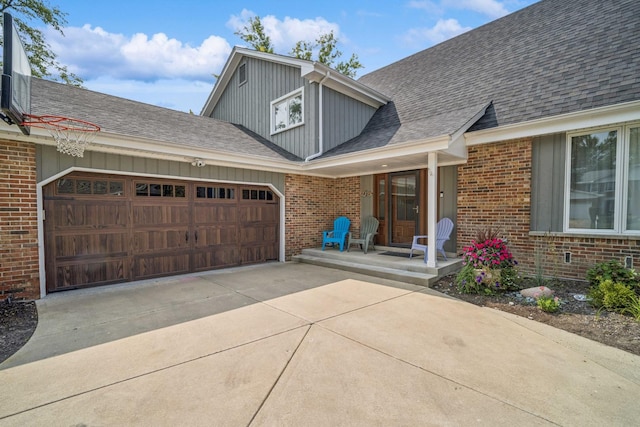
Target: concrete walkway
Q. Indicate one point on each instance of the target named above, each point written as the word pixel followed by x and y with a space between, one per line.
pixel 296 344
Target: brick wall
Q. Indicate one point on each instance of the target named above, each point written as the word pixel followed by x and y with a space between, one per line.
pixel 549 253
pixel 494 190
pixel 312 204
pixel 19 275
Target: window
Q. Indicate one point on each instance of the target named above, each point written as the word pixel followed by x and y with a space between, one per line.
pixel 603 178
pixel 257 195
pixel 382 201
pixel 287 112
pixel 215 193
pixel 633 181
pixel 242 74
pixel 144 189
pixel 88 187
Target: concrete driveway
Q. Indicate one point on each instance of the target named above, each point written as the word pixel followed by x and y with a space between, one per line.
pixel 296 344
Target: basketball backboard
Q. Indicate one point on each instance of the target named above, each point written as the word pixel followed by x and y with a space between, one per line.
pixel 15 96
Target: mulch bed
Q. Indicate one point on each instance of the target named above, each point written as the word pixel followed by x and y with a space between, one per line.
pixel 575 315
pixel 18 320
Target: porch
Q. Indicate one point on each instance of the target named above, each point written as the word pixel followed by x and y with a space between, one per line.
pixel 385 262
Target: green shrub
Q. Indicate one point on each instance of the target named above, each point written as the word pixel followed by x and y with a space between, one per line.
pixel 472 280
pixel 548 303
pixel 466 280
pixel 615 271
pixel 633 309
pixel 510 279
pixel 612 296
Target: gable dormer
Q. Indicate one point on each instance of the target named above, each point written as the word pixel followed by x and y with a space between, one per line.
pixel 303 107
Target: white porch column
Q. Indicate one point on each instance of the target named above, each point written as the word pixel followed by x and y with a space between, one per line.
pixel 432 208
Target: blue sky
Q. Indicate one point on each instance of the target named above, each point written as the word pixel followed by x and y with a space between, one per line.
pixel 166 52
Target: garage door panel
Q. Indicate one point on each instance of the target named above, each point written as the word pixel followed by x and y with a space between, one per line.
pixel 156 265
pixel 216 257
pixel 100 244
pixel 258 233
pixel 216 235
pixel 211 214
pixel 259 244
pixel 151 240
pixel 270 233
pixel 160 215
pixel 259 253
pixel 78 214
pixel 259 213
pixel 89 273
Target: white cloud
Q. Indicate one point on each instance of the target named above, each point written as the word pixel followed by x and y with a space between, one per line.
pixel 443 30
pixel 177 94
pixel 94 53
pixel 285 33
pixel 153 69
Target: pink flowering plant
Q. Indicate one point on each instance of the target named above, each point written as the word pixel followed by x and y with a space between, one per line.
pixel 489 266
pixel 491 253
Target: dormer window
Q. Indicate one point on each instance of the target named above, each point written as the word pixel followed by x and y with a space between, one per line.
pixel 242 74
pixel 287 111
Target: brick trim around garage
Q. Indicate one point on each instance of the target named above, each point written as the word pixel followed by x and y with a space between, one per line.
pixel 19 274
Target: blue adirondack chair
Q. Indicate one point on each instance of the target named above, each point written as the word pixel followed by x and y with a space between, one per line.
pixel 443 233
pixel 338 234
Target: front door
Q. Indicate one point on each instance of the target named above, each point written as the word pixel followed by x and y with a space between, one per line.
pixel 403 207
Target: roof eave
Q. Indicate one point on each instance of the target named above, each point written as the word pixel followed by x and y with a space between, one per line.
pixel 345 85
pixel 312 71
pixel 595 117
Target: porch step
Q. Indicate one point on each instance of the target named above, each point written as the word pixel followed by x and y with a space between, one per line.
pixel 422 279
pixel 375 264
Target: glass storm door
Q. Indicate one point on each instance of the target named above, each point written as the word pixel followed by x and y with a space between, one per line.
pixel 404 207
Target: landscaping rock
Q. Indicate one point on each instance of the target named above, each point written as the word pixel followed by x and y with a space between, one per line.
pixel 536 292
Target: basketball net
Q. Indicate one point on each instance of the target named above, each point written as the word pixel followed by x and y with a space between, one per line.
pixel 72 136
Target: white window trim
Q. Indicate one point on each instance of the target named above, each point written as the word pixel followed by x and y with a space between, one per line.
pixel 621 189
pixel 289 95
pixel 246 77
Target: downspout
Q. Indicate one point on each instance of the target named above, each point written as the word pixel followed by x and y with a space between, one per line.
pixel 320 123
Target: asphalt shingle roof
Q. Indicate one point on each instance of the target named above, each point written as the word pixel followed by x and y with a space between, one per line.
pixel 384 129
pixel 135 119
pixel 553 57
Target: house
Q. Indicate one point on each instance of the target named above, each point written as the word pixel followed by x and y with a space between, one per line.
pixel 530 123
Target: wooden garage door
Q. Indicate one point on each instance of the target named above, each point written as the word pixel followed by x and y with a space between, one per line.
pixel 102 229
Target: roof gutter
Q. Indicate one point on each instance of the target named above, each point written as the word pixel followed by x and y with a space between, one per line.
pixel 320 121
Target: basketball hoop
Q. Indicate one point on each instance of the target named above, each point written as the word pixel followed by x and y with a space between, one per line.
pixel 71 135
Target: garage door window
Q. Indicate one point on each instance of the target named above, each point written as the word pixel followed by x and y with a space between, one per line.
pixel 88 187
pixel 215 193
pixel 257 195
pixel 160 190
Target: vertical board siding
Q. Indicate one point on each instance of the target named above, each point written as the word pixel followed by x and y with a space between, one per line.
pixel 50 162
pixel 343 118
pixel 366 199
pixel 547 182
pixel 249 104
pixel 447 204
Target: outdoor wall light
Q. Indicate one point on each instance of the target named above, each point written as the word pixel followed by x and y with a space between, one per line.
pixel 198 162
